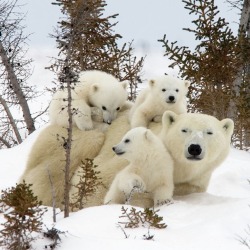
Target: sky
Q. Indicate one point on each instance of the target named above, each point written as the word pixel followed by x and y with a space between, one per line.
pixel 143 21
pixel 140 21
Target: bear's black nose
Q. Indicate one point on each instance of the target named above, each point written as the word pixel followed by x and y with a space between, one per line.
pixel 113 148
pixel 194 149
pixel 171 98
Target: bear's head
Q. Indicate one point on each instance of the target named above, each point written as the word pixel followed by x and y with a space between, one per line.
pixel 196 138
pixel 169 89
pixel 108 97
pixel 135 144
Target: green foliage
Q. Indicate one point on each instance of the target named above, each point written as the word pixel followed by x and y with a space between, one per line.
pixel 147 218
pixel 23 214
pixel 87 185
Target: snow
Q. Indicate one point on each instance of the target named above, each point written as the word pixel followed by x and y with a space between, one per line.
pixel 217 219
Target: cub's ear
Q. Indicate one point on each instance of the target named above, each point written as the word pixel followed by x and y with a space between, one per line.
pixel 151 83
pixel 124 84
pixel 228 126
pixel 187 83
pixel 148 135
pixel 168 119
pixel 95 87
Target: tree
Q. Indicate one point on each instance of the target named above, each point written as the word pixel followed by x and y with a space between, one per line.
pixel 214 66
pixel 95 43
pixel 86 41
pixel 23 214
pixel 14 71
pixel 243 78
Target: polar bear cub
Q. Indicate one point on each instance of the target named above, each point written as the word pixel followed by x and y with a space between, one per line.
pixel 150 169
pixel 94 89
pixel 163 93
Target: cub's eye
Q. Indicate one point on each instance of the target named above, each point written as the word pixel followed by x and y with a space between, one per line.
pixel 127 141
pixel 104 108
pixel 163 90
pixel 184 130
pixel 209 132
pixel 177 90
pixel 118 108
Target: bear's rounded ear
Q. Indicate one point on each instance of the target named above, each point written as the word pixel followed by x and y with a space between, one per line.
pixel 228 126
pixel 124 84
pixel 168 119
pixel 151 83
pixel 187 83
pixel 148 135
pixel 95 87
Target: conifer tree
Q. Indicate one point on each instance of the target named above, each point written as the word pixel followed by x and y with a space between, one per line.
pixel 213 67
pixel 95 43
pixel 23 214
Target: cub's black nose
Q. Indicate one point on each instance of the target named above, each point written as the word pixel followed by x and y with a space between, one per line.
pixel 113 148
pixel 171 98
pixel 194 149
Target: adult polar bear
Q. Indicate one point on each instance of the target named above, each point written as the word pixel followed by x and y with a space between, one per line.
pixel 198 144
pixel 94 89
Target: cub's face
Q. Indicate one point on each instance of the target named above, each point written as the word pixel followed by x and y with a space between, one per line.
pixel 133 142
pixel 170 90
pixel 196 138
pixel 110 99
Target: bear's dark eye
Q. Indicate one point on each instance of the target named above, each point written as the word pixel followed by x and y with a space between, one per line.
pixel 209 132
pixel 177 90
pixel 118 109
pixel 163 90
pixel 184 130
pixel 104 108
pixel 127 141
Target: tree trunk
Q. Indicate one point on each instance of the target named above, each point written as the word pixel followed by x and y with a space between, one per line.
pixel 17 90
pixel 245 17
pixel 245 24
pixel 11 119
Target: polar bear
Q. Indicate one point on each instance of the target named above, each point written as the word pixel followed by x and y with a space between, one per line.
pixel 163 93
pixel 45 167
pixel 150 169
pixel 198 143
pixel 94 89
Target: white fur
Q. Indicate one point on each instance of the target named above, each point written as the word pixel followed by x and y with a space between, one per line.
pixel 94 89
pixel 177 132
pixel 150 169
pixel 198 143
pixel 163 93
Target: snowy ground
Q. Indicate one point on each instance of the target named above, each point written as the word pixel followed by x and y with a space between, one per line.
pixel 213 220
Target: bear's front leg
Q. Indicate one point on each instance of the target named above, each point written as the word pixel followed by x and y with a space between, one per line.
pixel 188 188
pixel 82 115
pixel 163 195
pixel 123 187
pixel 129 184
pixel 114 195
